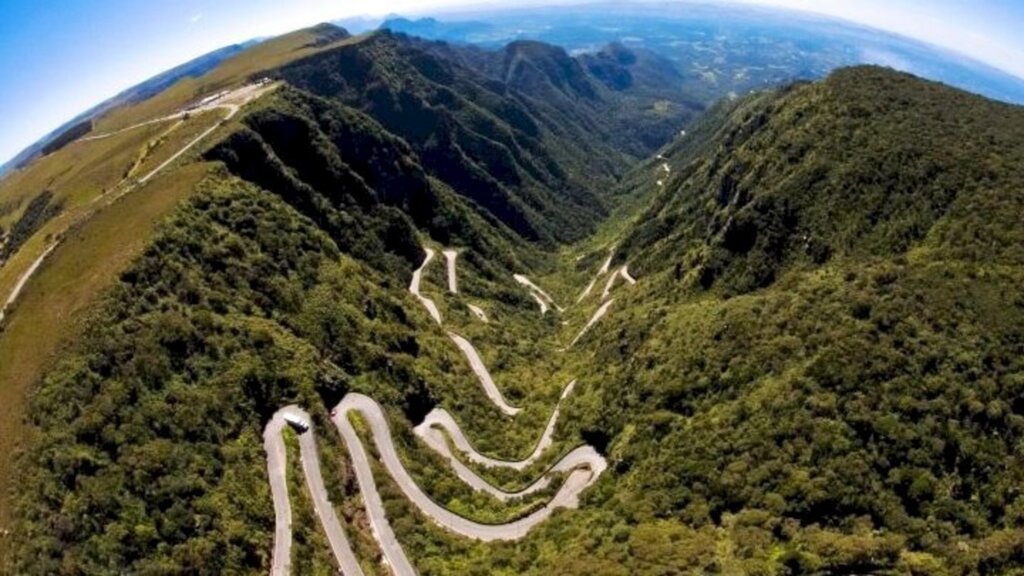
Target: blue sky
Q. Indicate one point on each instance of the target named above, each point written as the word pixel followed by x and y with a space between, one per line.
pixel 62 56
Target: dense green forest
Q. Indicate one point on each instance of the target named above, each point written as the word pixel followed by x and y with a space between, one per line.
pixel 149 456
pixel 831 330
pixel 526 133
pixel 820 370
pixel 866 164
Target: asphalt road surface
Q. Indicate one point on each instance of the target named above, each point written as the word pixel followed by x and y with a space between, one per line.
pixel 581 466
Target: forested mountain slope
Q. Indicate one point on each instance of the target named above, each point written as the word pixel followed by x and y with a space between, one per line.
pixel 818 370
pixel 826 358
pixel 470 134
pixel 393 122
pixel 867 164
pixel 283 281
pixel 638 94
pixel 525 133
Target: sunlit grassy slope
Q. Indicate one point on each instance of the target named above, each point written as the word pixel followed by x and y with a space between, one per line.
pixel 230 74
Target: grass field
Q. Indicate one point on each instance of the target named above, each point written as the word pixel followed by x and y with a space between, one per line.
pixel 51 311
pixel 86 171
pixel 177 136
pixel 230 74
pixel 83 170
pixel 78 176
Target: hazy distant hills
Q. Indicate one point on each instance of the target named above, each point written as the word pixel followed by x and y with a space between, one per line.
pixel 721 49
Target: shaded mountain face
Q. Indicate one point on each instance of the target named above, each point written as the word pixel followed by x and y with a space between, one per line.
pixel 611 66
pixel 638 95
pixel 472 147
pixel 525 134
pixel 362 185
pixel 482 139
pixel 544 70
pixel 620 68
pixel 654 101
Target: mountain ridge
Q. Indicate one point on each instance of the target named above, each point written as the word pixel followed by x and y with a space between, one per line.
pixel 449 113
pixel 904 189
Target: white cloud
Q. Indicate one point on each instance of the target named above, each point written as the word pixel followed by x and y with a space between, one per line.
pixel 196 18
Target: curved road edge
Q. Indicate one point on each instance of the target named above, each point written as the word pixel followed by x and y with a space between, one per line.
pixel 478 367
pixel 440 419
pixel 583 464
pixel 277 471
pixel 414 287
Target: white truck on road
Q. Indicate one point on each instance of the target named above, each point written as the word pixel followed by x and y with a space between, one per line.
pixel 297 422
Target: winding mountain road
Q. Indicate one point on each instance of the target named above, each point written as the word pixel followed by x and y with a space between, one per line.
pixel 584 465
pixel 540 302
pixel 581 466
pixel 373 415
pixel 273 443
pixel 453 281
pixel 608 286
pixel 24 278
pixel 439 419
pixel 590 287
pixel 414 287
pixel 277 467
pixel 542 297
pixel 477 365
pixel 478 312
pixel 593 320
pixel 621 273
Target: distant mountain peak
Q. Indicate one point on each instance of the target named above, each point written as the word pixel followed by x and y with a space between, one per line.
pixel 527 62
pixel 327 33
